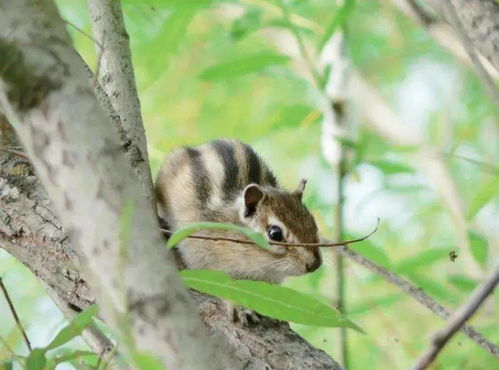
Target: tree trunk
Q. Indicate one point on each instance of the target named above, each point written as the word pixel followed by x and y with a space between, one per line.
pixel 77 156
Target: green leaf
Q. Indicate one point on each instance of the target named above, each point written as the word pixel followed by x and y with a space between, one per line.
pixel 67 356
pixel 369 250
pixel 422 259
pixel 145 361
pixel 479 248
pixel 184 232
pixel 74 328
pixel 433 288
pixel 486 191
pixel 338 19
pixel 36 359
pixel 390 167
pixel 375 302
pixel 6 364
pixel 268 299
pixel 250 21
pixel 463 283
pixel 238 67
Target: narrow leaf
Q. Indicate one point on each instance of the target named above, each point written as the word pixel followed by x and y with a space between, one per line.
pixel 479 248
pixel 238 67
pixel 184 232
pixel 339 17
pixel 6 364
pixel 390 167
pixel 74 328
pixel 250 21
pixel 486 191
pixel 367 305
pixel 36 359
pixel 422 259
pixel 463 283
pixel 268 299
pixel 369 250
pixel 145 361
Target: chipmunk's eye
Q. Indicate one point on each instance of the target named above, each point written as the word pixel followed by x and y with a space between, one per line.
pixel 275 233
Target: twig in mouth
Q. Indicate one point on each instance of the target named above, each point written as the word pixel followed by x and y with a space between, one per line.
pixel 242 241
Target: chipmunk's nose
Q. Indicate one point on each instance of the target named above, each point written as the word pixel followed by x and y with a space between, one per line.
pixel 317 261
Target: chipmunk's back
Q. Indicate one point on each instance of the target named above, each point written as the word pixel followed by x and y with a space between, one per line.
pixel 201 184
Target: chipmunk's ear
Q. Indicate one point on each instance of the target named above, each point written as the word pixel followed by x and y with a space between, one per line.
pixel 300 188
pixel 252 195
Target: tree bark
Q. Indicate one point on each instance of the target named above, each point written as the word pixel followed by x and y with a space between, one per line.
pixel 480 20
pixel 117 79
pixel 77 156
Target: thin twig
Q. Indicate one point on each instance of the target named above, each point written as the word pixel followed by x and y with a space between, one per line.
pixel 420 296
pixel 84 34
pixel 14 313
pixel 14 152
pixel 487 167
pixel 242 241
pixel 458 319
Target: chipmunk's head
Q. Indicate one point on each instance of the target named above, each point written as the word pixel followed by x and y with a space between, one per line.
pixel 282 217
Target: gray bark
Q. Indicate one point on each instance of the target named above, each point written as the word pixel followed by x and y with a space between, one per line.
pixel 480 20
pixel 45 94
pixel 117 79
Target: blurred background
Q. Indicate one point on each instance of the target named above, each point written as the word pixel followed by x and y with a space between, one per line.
pixel 422 150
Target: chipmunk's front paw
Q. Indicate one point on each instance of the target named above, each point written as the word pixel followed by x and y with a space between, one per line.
pixel 243 315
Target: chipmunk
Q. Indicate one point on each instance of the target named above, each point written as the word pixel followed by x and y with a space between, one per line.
pixel 226 181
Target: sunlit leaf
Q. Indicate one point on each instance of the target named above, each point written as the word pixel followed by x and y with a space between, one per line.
pixel 249 22
pixel 478 247
pixel 248 64
pixel 432 287
pixel 184 232
pixel 338 19
pixel 367 305
pixel 6 364
pixel 462 282
pixel 422 259
pixel 36 359
pixel 66 355
pixel 268 299
pixel 369 250
pixel 391 168
pixel 145 361
pixel 485 192
pixel 74 328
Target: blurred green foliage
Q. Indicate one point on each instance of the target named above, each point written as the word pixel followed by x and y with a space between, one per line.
pixel 268 104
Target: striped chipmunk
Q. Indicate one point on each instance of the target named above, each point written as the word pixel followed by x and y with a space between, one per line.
pixel 227 181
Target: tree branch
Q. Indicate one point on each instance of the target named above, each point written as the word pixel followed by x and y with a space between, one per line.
pixel 442 33
pixel 457 320
pixel 467 31
pixel 33 235
pixel 115 72
pixel 77 156
pixel 419 296
pixel 479 20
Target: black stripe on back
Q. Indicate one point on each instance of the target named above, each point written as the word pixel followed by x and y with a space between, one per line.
pixel 253 165
pixel 231 169
pixel 270 178
pixel 200 176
